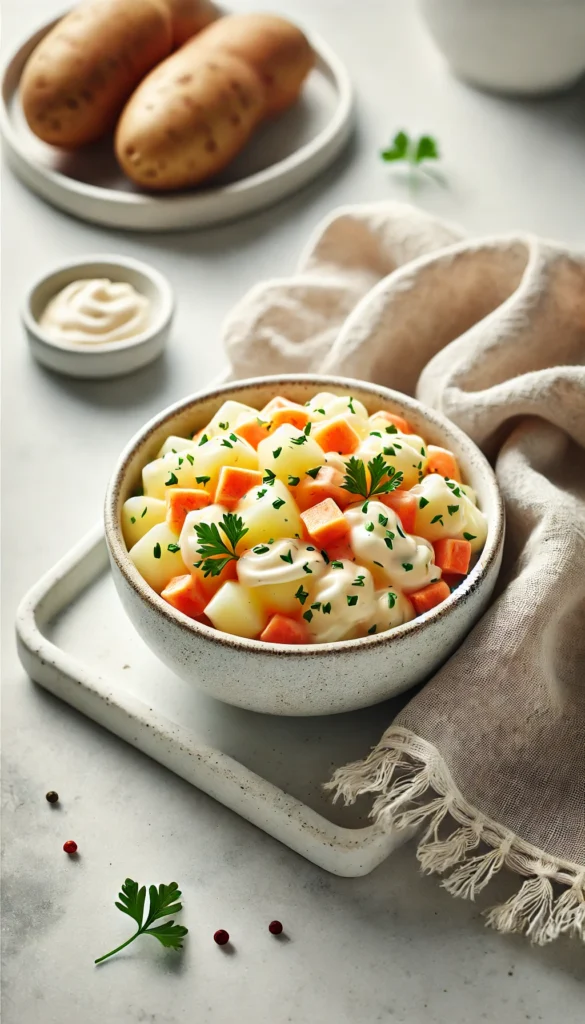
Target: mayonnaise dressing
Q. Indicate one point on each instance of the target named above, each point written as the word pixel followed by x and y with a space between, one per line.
pixel 95 312
pixel 283 561
pixel 341 599
pixel 378 541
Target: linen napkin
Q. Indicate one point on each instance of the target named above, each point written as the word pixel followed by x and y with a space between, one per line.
pixel 489 757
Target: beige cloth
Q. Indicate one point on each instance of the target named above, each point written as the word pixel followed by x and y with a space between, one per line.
pixel 489 757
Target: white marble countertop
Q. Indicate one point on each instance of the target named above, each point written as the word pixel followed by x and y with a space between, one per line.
pixel 388 947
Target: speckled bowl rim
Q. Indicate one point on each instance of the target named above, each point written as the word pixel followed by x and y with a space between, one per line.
pixel 404 404
pixel 158 280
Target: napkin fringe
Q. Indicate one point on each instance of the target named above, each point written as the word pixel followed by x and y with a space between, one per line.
pixel 414 789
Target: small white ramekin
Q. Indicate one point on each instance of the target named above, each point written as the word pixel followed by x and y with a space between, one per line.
pixel 115 358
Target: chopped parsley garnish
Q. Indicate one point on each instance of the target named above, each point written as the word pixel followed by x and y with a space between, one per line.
pixel 400 531
pixel 391 599
pixel 173 548
pixel 388 539
pixel 157 551
pixel 214 550
pixel 369 527
pixel 359 581
pixel 372 630
pixel 302 595
pixel 308 615
pixel 391 429
pixel 383 520
pixel 365 507
pixel 389 451
pixel 190 458
pixel 307 568
pixel 337 565
pixel 375 433
pixel 276 453
pixel 202 479
pixel 313 472
pixel 325 557
pixel 350 406
pixel 452 509
pixel 356 481
pixel 203 440
pixel 288 557
pixel 278 503
pixel 309 548
pixel 269 477
pixel 298 440
pixel 437 519
pixel 261 549
pixel 132 520
pixel 352 599
pixel 172 480
pixel 143 513
pixel 293 481
pixel 379 564
pixel 407 566
pixel 316 606
pixel 322 411
pixel 180 461
pixel 423 503
pixel 470 536
pixel 327 608
pixel 422 451
pixel 224 426
pixel 307 429
pixel 226 444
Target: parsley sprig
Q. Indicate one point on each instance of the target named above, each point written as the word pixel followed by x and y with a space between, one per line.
pixel 162 903
pixel 356 478
pixel 411 150
pixel 214 551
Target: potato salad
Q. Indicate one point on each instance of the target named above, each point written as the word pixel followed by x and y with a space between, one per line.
pixel 303 524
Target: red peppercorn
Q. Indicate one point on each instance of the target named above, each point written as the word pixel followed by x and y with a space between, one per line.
pixel 221 937
pixel 70 846
pixel 275 928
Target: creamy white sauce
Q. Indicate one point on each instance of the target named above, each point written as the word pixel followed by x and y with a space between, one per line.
pixel 340 601
pixel 283 561
pixel 95 312
pixel 378 541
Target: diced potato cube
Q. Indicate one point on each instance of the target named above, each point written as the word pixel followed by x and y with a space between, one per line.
pixel 236 609
pixel 222 450
pixel 280 597
pixel 171 471
pixel 405 452
pixel 139 515
pixel 269 512
pixel 289 452
pixel 157 556
pixel 227 416
pixel 177 444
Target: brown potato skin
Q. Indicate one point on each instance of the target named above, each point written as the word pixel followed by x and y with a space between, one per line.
pixel 277 50
pixel 80 75
pixel 188 17
pixel 189 117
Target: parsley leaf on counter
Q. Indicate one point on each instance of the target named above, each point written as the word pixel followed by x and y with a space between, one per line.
pixel 162 903
pixel 411 150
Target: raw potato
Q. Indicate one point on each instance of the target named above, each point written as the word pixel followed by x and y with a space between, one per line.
pixel 139 515
pixel 194 112
pixel 189 17
pixel 277 50
pixel 151 556
pixel 80 75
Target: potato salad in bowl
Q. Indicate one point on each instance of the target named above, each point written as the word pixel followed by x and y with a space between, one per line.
pixel 295 523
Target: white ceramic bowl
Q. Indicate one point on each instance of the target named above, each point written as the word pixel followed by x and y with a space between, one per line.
pixel 319 678
pixel 115 358
pixel 523 47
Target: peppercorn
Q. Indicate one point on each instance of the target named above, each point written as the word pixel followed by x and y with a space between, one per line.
pixel 275 928
pixel 52 797
pixel 221 937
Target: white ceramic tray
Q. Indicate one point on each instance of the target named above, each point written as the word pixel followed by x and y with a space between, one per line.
pixel 75 640
pixel 282 157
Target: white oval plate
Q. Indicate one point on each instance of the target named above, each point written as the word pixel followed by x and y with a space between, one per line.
pixel 282 156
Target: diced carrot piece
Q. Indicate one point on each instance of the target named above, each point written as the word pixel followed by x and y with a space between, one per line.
pixel 427 598
pixel 233 483
pixel 211 584
pixel 340 551
pixel 325 523
pixel 399 422
pixel 186 595
pixel 283 630
pixel 181 501
pixel 327 484
pixel 253 430
pixel 337 435
pixel 293 414
pixel 453 556
pixel 442 462
pixel 404 504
